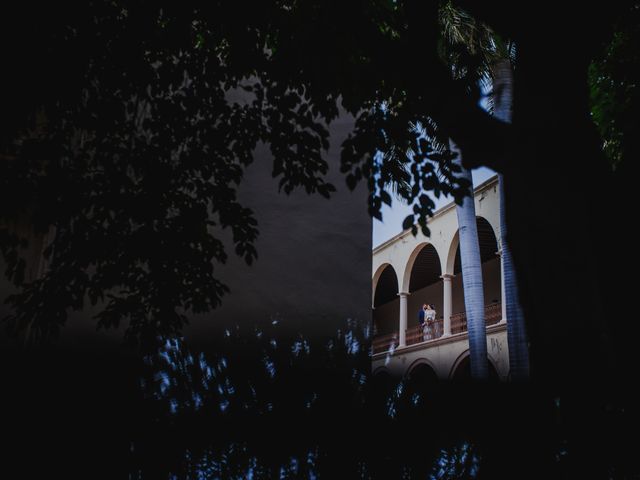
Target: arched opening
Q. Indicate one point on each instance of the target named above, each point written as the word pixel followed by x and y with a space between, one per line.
pixel 381 388
pixel 491 278
pixel 423 282
pixel 422 386
pixel 385 308
pixel 386 289
pixel 462 372
pixel 383 380
pixel 422 375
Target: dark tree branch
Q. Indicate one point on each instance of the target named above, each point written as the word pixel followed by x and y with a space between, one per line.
pixel 483 139
pixel 504 17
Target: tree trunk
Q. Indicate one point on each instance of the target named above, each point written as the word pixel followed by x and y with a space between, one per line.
pixel 556 185
pixel 568 227
pixel 516 330
pixel 472 279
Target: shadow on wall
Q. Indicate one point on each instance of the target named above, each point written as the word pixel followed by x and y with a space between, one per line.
pixel 313 266
pixel 314 254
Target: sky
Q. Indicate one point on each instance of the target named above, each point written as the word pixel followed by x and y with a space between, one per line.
pixel 393 216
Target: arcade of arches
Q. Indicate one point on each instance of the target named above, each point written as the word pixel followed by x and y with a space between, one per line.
pixel 410 271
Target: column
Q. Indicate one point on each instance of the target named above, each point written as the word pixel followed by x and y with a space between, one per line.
pixel 503 300
pixel 402 334
pixel 373 321
pixel 446 303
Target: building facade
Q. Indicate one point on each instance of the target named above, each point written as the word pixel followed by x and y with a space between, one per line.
pixel 409 271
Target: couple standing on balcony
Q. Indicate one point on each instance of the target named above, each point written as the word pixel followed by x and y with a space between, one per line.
pixel 427 320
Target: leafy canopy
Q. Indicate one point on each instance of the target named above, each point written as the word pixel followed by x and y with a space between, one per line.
pixel 126 129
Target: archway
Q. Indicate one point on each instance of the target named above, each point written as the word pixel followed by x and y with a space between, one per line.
pixel 491 277
pixel 422 280
pixel 422 374
pixel 385 285
pixel 385 307
pixel 422 387
pixel 462 370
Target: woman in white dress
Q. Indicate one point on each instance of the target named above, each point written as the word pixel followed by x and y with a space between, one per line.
pixel 429 323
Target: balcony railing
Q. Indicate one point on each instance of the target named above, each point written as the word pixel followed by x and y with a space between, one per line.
pixel 417 334
pixel 492 315
pixel 383 343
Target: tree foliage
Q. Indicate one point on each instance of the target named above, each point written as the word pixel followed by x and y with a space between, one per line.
pixel 126 129
pixel 615 88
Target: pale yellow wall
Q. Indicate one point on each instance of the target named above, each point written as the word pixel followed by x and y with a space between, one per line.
pixel 491 281
pixel 445 354
pixel 430 294
pixel 386 317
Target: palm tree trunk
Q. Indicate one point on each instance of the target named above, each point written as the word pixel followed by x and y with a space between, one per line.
pixel 472 278
pixel 516 330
